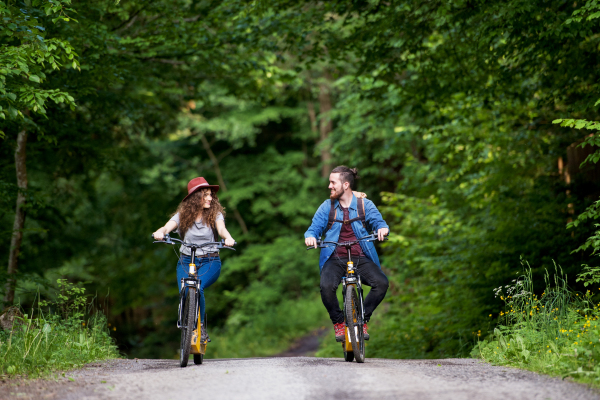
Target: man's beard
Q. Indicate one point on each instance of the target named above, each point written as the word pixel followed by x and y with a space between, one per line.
pixel 336 195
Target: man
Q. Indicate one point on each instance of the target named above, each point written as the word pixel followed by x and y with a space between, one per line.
pixel 333 261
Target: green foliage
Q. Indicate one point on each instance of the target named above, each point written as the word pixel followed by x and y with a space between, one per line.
pixel 269 332
pixel 58 335
pixel 589 140
pixel 590 276
pixel 593 211
pixel 555 333
pixel 27 56
pixel 443 106
pixel 70 301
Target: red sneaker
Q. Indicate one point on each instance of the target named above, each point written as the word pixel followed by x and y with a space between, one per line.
pixel 340 332
pixel 365 333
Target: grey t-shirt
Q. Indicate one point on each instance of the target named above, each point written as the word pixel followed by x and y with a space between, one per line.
pixel 198 234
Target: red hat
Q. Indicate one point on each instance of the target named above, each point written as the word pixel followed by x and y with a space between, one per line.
pixel 199 183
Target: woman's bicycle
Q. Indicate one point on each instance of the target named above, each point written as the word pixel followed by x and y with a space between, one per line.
pixel 189 320
pixel 354 312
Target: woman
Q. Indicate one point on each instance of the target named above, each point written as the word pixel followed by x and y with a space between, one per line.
pixel 197 216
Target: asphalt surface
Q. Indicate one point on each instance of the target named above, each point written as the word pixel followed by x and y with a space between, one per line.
pixel 300 378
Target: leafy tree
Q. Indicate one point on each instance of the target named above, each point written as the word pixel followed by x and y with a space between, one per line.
pixel 26 57
pixel 444 107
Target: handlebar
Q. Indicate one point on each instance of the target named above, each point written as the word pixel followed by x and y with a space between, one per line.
pixel 322 243
pixel 170 240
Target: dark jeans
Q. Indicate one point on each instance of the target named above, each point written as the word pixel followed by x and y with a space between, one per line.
pixel 370 275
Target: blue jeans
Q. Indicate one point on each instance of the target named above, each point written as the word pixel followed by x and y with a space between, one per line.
pixel 208 270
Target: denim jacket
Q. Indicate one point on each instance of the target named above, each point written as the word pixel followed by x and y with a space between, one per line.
pixel 373 219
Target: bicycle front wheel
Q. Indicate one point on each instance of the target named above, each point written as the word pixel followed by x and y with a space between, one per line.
pixel 187 326
pixel 354 322
pixel 348 356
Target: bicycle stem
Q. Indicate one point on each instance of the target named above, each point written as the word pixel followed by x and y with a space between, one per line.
pixel 192 270
pixel 350 262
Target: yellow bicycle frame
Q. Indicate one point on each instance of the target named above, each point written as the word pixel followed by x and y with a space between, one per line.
pixel 197 346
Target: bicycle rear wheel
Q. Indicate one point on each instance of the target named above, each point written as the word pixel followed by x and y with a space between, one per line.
pixel 187 326
pixel 354 322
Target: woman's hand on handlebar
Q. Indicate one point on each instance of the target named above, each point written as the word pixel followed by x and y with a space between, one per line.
pixel 311 241
pixel 161 232
pixel 229 242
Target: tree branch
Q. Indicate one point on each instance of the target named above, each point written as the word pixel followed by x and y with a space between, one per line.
pixel 215 162
pixel 131 20
pixel 164 61
pixel 225 154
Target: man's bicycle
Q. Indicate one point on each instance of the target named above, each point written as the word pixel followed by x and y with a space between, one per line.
pixel 189 320
pixel 354 311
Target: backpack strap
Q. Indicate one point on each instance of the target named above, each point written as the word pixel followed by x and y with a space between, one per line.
pixel 360 206
pixel 332 215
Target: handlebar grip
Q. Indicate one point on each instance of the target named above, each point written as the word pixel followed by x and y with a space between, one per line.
pixel 167 238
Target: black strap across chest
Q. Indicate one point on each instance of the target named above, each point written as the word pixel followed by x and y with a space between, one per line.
pixel 215 233
pixel 360 206
pixel 214 229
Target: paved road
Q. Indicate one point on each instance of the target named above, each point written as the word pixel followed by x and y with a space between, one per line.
pixel 303 378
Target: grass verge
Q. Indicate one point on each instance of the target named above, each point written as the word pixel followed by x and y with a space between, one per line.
pixel 557 333
pixel 56 336
pixel 268 333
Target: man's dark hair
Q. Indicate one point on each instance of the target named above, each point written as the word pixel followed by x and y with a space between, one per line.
pixel 346 174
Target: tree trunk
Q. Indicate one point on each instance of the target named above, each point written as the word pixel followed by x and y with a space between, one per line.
pixel 312 116
pixel 325 127
pixel 215 162
pixel 17 233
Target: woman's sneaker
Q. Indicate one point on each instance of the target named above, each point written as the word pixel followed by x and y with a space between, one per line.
pixel 366 335
pixel 340 332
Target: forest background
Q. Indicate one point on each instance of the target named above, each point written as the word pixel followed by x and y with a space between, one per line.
pixel 446 108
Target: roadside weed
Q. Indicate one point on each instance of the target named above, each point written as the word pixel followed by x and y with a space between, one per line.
pixel 556 333
pixel 58 335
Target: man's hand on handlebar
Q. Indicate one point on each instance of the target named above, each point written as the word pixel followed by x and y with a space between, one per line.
pixel 382 233
pixel 311 241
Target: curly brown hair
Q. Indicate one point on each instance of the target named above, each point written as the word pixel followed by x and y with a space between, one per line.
pixel 190 208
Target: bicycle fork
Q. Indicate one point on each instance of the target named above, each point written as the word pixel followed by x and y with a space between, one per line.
pixel 352 279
